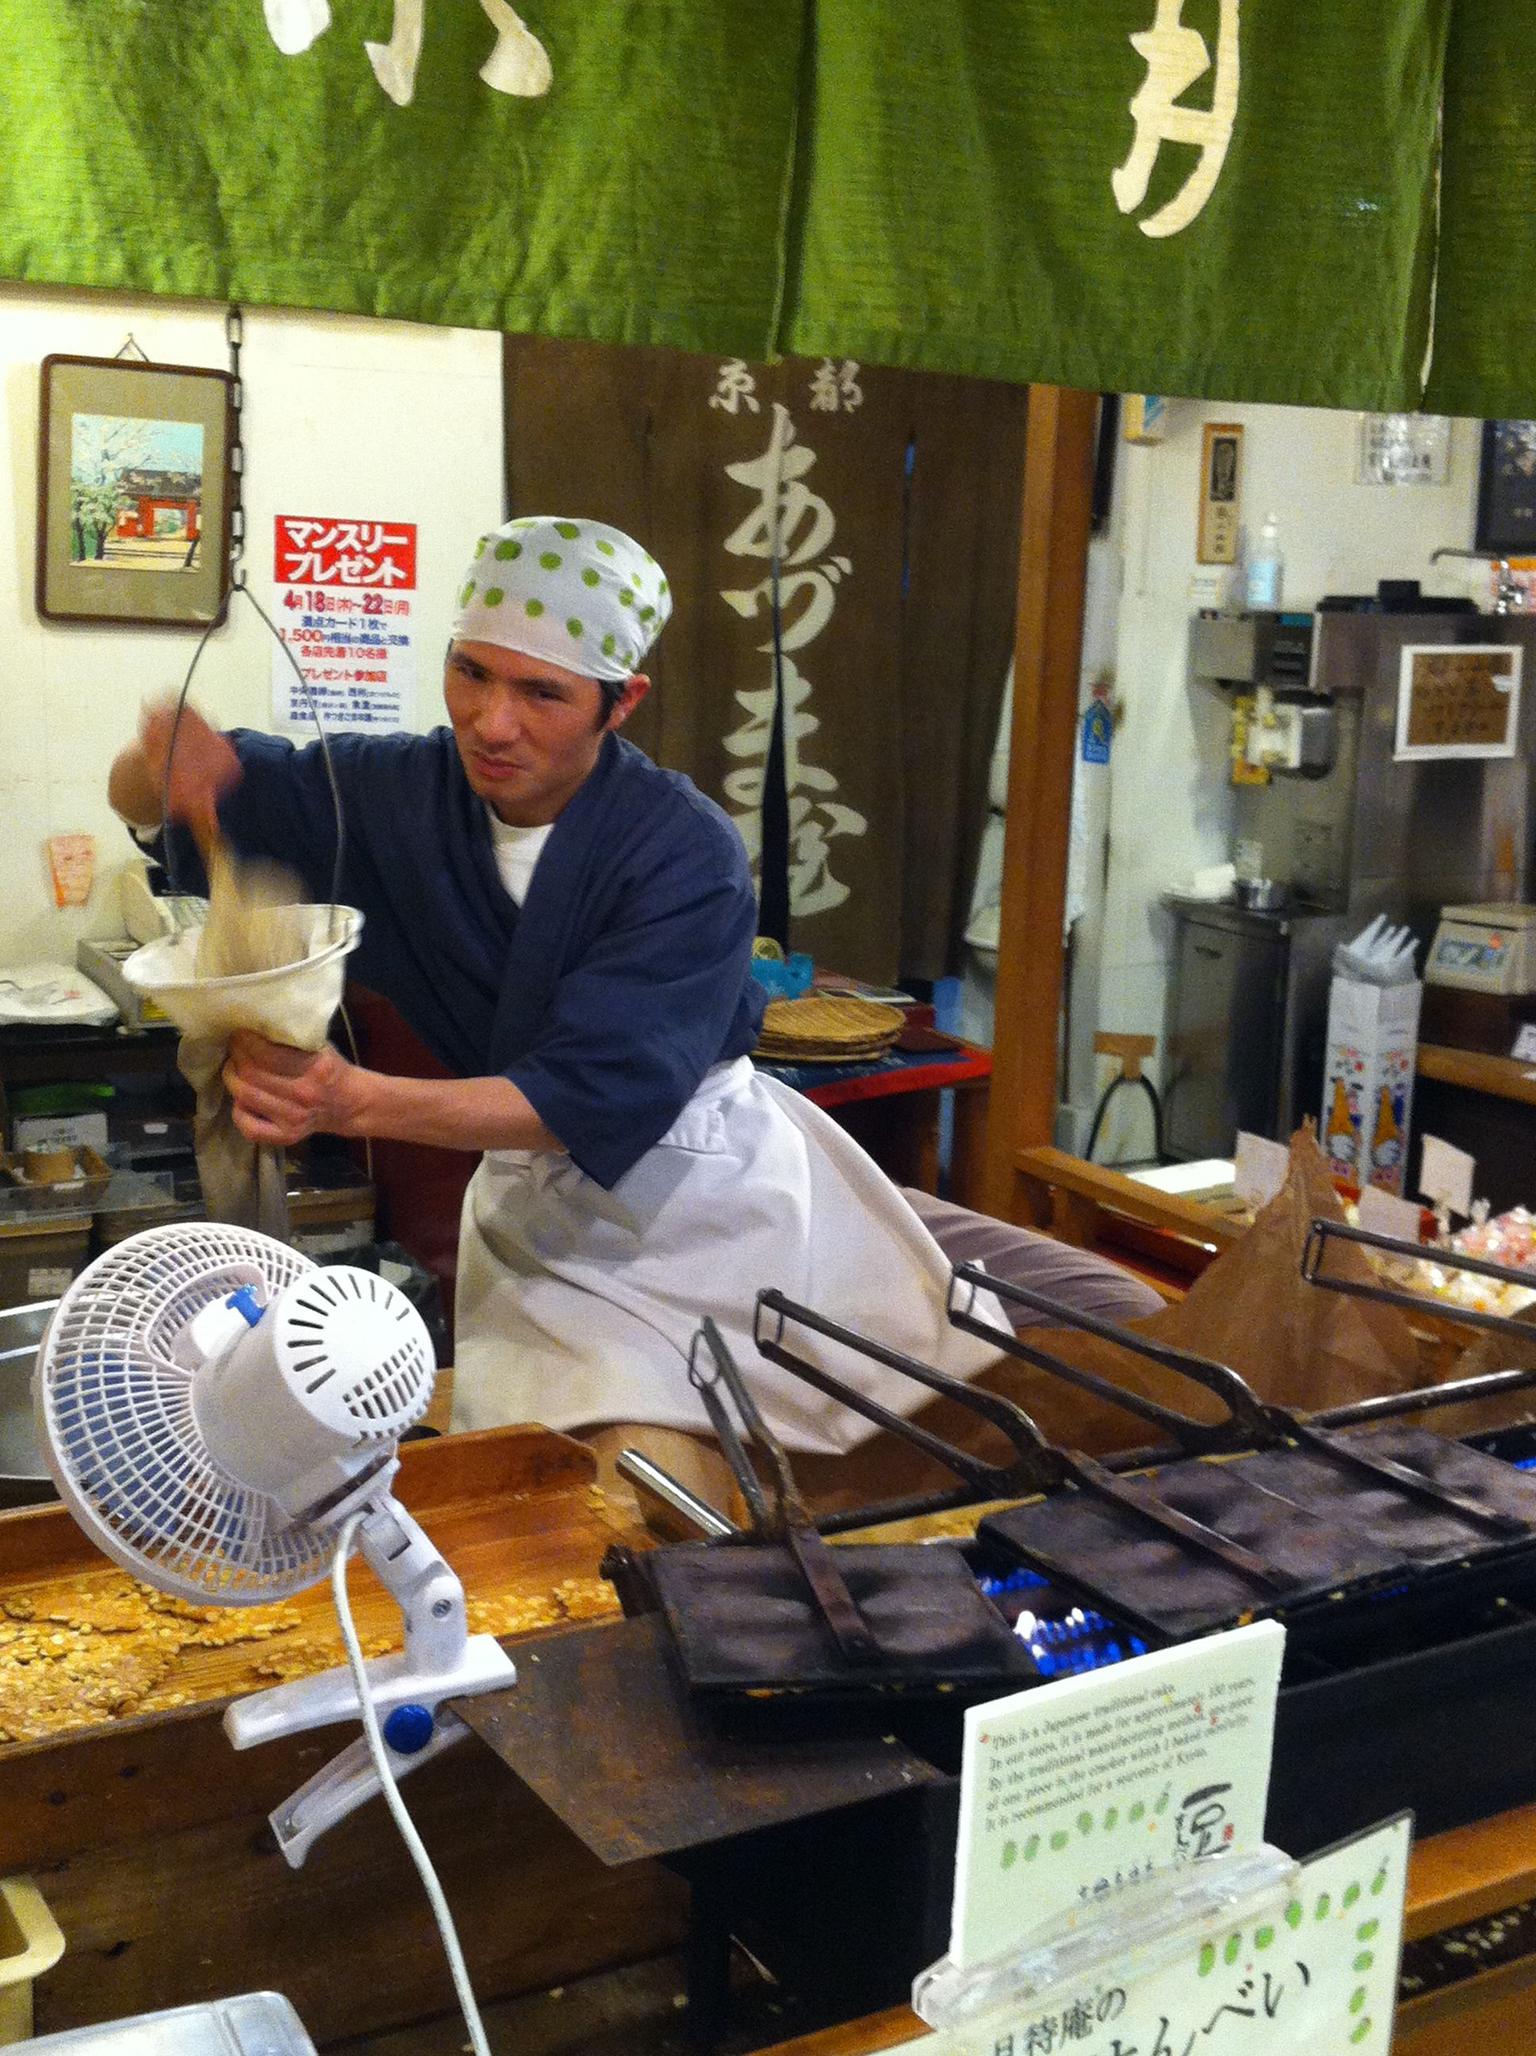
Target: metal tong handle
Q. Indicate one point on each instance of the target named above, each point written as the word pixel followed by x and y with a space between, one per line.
pixel 1351 1456
pixel 769 1523
pixel 1041 1467
pixel 787 1521
pixel 1037 1466
pixel 1322 1233
pixel 1249 1423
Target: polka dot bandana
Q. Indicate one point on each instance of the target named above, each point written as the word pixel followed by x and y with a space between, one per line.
pixel 574 593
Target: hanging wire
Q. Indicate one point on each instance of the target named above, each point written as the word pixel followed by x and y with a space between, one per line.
pixel 130 344
pixel 235 582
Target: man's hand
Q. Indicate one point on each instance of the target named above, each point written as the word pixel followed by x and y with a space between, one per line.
pixel 203 765
pixel 283 1095
pixel 203 768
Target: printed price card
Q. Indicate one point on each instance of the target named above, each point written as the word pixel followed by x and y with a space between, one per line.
pixel 1383 1213
pixel 1072 1790
pixel 1446 1174
pixel 1262 1168
pixel 1314 1976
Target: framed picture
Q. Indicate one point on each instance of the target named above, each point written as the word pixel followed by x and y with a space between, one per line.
pixel 1458 700
pixel 133 492
pixel 1506 489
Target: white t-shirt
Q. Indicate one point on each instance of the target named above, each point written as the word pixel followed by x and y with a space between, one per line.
pixel 517 851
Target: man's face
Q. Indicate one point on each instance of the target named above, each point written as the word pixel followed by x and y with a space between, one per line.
pixel 528 732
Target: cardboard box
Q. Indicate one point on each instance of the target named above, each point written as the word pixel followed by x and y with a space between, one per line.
pixel 21 1196
pixel 1373 1036
pixel 60 1131
pixel 41 1256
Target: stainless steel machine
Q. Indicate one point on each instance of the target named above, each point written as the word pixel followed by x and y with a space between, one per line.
pixel 1339 829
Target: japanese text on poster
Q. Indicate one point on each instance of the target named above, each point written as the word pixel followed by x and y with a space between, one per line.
pixel 345 602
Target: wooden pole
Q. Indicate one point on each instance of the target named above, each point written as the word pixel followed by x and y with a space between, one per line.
pixel 1053 563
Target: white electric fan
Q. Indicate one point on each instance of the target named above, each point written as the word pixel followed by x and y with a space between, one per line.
pixel 221 1415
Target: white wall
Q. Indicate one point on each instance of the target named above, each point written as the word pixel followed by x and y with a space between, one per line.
pixel 343 416
pixel 1170 809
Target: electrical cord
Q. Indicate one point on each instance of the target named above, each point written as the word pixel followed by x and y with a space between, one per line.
pixel 391 1790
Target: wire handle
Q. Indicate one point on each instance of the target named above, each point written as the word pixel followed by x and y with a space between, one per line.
pixel 707 1379
pixel 1249 1421
pixel 788 1521
pixel 1322 1232
pixel 1036 1467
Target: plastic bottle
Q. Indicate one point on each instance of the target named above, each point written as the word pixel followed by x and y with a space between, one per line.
pixel 1265 567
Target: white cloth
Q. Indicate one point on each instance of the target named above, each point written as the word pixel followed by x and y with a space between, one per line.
pixel 576 1306
pixel 574 593
pixel 517 850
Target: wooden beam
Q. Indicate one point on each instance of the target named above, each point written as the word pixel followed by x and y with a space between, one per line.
pixel 1053 564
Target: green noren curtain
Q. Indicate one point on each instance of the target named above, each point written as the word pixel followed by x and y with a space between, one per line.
pixel 959 210
pixel 1227 198
pixel 170 146
pixel 1485 293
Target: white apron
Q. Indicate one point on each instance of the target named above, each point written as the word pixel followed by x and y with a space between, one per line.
pixel 576 1306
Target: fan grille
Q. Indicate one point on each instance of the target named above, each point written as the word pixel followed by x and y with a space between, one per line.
pixel 119 1413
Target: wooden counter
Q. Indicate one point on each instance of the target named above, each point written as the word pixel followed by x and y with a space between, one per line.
pixel 1503 1077
pixel 1452 1878
pixel 1485 1105
pixel 149 1838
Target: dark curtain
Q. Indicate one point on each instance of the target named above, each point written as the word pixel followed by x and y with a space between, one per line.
pixel 881 509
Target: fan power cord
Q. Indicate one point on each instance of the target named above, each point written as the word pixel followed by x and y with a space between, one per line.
pixel 392 1799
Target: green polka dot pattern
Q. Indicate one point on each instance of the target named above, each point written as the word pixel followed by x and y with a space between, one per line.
pixel 577 594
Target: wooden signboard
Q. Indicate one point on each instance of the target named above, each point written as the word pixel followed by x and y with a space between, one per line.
pixel 1458 701
pixel 1221 472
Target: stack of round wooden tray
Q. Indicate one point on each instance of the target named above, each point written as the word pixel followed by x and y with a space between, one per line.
pixel 827 1028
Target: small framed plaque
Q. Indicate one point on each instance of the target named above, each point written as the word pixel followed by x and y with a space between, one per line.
pixel 1221 483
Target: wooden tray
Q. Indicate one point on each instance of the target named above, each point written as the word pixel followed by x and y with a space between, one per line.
pixel 149 1839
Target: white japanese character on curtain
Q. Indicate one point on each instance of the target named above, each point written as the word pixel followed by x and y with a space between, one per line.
pixel 1175 57
pixel 519 63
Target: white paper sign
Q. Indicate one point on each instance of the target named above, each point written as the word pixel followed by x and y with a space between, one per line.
pixel 1317 1977
pixel 1383 1213
pixel 1262 1168
pixel 345 595
pixel 1524 1051
pixel 1458 700
pixel 1070 1791
pixel 1404 449
pixel 1446 1174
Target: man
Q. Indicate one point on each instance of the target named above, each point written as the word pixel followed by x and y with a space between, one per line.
pixel 569 928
